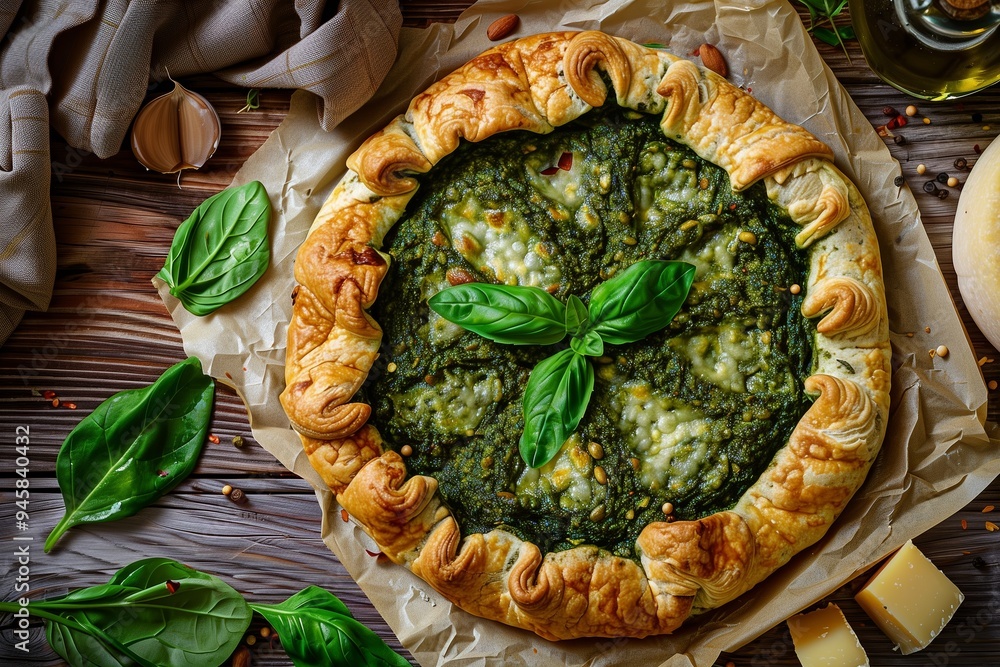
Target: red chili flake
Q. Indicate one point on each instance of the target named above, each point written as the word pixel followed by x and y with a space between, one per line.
pixel 49 395
pixel 749 89
pixel 549 171
pixel 566 161
pixel 172 586
pixel 373 554
pixel 71 406
pixel 163 473
pixel 965 524
pixel 214 439
pixel 883 131
pixel 977 149
pixel 732 207
pixel 896 122
pixel 244 369
pixel 345 516
pixel 696 52
pixel 228 375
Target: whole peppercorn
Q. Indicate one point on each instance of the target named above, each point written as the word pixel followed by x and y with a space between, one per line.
pixel 929 186
pixel 978 563
pixel 238 497
pixel 890 111
pixel 961 164
pixel 942 194
pixel 898 181
pixel 977 117
pixel 899 140
pixel 942 177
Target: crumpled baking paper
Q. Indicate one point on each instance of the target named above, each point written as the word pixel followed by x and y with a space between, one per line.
pixel 936 457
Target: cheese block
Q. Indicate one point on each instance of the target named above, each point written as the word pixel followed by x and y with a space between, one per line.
pixel 823 638
pixel 910 599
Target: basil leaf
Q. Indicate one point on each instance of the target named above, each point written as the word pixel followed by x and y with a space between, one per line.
pixel 317 630
pixel 555 400
pixel 640 300
pixel 508 314
pixel 134 447
pixel 589 344
pixel 577 318
pixel 137 618
pixel 221 250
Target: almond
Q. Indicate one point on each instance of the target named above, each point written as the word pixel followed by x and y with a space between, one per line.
pixel 713 60
pixel 502 27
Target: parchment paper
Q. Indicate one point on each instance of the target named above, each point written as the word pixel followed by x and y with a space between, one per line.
pixel 936 457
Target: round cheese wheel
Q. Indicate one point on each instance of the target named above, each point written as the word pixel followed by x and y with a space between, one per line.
pixel 975 248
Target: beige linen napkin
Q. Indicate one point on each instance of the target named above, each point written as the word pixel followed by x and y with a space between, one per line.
pixel 96 60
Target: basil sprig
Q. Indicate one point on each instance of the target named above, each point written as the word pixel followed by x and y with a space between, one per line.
pixel 637 302
pixel 134 447
pixel 221 250
pixel 153 612
pixel 316 630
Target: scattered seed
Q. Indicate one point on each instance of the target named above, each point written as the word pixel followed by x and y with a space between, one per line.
pixel 942 194
pixel 961 164
pixel 690 224
pixel 992 385
pixel 965 524
pixel 909 334
pixel 927 329
pixel 600 475
pixel 227 489
pixel 930 187
pixel 668 508
pixel 748 237
pixel 921 169
pixel 598 514
pixel 566 161
pixel 889 111
pixel 911 110
pixel 406 450
pixel 238 497
pixel 630 515
pixel 927 121
pixel 71 406
pixel 899 140
pixel 251 640
pixel 898 181
pixel 265 632
pixel 238 441
pixel 391 367
pixel 55 402
pixel 988 509
pixel 982 360
pixel 635 465
pixel 942 351
pixel 214 439
pixel 49 395
pixel 942 177
pixel 952 182
pixel 795 289
pixel 992 527
pixel 703 183
pixel 596 450
pixel 506 495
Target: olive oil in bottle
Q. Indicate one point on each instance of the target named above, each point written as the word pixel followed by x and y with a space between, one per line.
pixel 933 49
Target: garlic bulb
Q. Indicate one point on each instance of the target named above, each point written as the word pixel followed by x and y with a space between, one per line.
pixel 179 130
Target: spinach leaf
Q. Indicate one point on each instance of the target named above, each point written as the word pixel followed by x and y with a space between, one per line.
pixel 134 447
pixel 152 612
pixel 508 314
pixel 221 250
pixel 554 402
pixel 640 300
pixel 317 630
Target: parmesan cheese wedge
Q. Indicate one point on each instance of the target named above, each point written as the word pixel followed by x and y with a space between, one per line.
pixel 976 243
pixel 824 638
pixel 909 599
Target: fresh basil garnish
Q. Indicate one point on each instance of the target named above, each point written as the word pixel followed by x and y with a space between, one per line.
pixel 627 308
pixel 640 300
pixel 221 250
pixel 153 612
pixel 317 630
pixel 555 401
pixel 134 447
pixel 503 313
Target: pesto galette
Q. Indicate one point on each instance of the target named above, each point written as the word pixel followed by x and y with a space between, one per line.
pixel 711 450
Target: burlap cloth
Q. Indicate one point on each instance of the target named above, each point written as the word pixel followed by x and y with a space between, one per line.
pixel 87 65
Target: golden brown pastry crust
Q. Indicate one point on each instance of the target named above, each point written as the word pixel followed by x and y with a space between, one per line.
pixel 538 83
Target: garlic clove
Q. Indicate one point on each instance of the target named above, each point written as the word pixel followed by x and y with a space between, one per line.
pixel 175 131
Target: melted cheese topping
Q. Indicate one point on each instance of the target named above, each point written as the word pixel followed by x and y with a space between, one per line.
pixel 499 243
pixel 672 441
pixel 569 474
pixel 455 404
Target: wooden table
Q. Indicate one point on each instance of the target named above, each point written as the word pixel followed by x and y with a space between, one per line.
pixel 107 330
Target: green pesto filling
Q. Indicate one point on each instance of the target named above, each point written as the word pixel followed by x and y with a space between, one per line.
pixel 691 415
